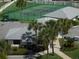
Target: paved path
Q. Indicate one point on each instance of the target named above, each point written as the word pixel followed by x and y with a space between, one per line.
pixel 56 50
pixel 6 5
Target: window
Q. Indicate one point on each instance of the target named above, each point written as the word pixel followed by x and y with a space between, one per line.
pixel 16 41
pixel 30 0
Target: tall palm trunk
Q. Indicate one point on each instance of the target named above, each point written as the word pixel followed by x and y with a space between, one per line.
pixel 47 50
pixel 52 48
pixel 36 34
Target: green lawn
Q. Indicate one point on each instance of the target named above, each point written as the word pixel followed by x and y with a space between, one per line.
pixel 73 54
pixel 32 11
pixel 50 57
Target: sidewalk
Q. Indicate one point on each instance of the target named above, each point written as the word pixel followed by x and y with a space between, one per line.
pixel 56 50
pixel 6 5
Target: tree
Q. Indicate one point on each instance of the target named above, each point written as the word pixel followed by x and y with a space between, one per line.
pixel 4 49
pixel 69 43
pixel 35 26
pixel 63 25
pixel 48 34
pixel 52 32
pixel 21 3
pixel 44 36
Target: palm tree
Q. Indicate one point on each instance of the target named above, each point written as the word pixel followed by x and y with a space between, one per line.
pixel 52 32
pixel 35 26
pixel 44 37
pixel 63 25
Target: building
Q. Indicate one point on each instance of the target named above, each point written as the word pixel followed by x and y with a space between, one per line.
pixel 15 33
pixel 73 33
pixel 64 13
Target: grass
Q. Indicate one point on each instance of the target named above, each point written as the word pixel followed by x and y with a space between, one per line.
pixel 50 57
pixel 17 51
pixel 74 52
pixel 32 11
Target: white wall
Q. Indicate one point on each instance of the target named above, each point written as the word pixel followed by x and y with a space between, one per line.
pixel 54 2
pixel 13 45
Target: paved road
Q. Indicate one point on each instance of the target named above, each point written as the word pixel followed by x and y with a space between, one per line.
pixel 6 5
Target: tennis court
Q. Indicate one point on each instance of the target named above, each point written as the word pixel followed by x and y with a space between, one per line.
pixel 31 12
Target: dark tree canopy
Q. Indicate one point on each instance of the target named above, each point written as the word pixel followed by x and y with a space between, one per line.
pixel 21 3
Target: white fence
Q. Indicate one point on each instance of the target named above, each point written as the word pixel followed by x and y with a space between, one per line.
pixel 75 3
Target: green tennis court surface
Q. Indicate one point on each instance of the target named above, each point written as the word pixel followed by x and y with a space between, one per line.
pixel 32 11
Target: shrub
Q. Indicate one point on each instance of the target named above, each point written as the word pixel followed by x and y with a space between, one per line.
pixel 18 51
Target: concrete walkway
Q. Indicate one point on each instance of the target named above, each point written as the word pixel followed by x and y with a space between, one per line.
pixel 56 50
pixel 6 5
